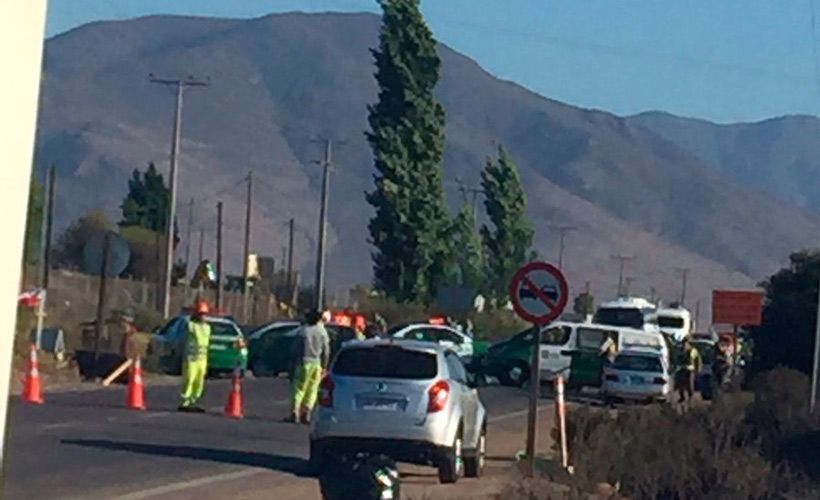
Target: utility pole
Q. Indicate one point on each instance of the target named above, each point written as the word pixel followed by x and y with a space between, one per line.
pixel 247 252
pixel 51 183
pixel 219 255
pixel 290 257
pixel 470 190
pixel 563 230
pixel 684 275
pixel 181 85
pixel 629 282
pixel 320 258
pixel 201 245
pixel 622 260
pixel 188 237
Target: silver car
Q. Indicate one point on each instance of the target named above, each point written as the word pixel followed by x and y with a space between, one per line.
pixel 409 400
pixel 641 375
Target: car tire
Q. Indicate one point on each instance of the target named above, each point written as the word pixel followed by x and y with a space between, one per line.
pixel 515 375
pixel 474 460
pixel 451 465
pixel 316 458
pixel 259 369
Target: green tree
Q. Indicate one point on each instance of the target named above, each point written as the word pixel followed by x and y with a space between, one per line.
pixel 508 244
pixel 584 303
pixel 146 204
pixel 786 336
pixel 409 228
pixel 34 220
pixel 467 256
pixel 69 248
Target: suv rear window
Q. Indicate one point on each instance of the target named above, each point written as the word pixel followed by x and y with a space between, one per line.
pixel 386 362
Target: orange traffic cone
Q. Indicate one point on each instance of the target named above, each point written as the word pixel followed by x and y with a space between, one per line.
pixel 233 408
pixel 136 389
pixel 32 391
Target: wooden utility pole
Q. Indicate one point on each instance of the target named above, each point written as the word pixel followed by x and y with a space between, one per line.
pixel 562 230
pixel 188 236
pixel 181 85
pixel 219 255
pixel 622 260
pixel 320 257
pixel 684 276
pixel 290 257
pixel 101 298
pixel 247 252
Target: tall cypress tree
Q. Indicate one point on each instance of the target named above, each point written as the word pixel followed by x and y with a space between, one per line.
pixel 508 244
pixel 467 255
pixel 409 229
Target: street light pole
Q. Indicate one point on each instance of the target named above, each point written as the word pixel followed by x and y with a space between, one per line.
pixel 180 85
pixel 320 258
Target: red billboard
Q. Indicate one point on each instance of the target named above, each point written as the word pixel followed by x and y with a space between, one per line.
pixel 737 307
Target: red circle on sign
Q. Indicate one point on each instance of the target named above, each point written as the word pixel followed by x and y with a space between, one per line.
pixel 555 308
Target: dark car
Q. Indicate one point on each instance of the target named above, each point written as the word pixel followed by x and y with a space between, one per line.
pixel 271 346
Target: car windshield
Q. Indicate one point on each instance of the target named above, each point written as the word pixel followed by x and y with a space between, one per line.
pixel 670 322
pixel 638 363
pixel 620 316
pixel 386 362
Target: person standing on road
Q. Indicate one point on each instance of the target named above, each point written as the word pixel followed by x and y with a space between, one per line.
pixel 314 344
pixel 127 343
pixel 195 359
pixel 691 367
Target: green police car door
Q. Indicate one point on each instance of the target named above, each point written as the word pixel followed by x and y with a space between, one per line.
pixel 587 365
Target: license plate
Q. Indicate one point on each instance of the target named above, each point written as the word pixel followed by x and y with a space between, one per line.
pixel 374 404
pixel 636 380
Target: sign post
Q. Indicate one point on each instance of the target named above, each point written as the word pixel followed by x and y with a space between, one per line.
pixel 539 294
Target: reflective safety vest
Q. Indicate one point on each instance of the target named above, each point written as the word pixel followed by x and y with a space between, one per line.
pixel 199 338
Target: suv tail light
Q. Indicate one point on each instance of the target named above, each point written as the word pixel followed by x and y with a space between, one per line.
pixel 438 394
pixel 659 380
pixel 326 392
pixel 612 378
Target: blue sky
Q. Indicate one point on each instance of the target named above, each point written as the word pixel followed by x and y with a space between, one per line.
pixel 726 60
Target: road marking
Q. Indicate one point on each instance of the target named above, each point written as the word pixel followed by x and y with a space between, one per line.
pixel 184 485
pixel 515 414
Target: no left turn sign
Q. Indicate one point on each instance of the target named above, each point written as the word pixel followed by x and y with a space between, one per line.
pixel 539 292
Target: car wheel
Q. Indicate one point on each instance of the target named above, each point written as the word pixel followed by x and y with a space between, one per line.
pixel 451 467
pixel 259 369
pixel 516 375
pixel 316 458
pixel 474 460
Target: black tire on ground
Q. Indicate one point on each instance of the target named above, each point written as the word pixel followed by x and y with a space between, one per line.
pixel 515 375
pixel 316 458
pixel 451 464
pixel 474 460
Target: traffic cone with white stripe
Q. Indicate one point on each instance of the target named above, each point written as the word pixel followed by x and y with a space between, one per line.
pixel 233 408
pixel 136 389
pixel 32 391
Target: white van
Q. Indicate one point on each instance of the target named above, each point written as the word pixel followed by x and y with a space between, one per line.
pixel 561 341
pixel 629 312
pixel 675 321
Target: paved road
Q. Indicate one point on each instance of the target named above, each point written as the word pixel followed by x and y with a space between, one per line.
pixel 86 445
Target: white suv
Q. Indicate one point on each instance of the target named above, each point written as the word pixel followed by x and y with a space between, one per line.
pixel 408 400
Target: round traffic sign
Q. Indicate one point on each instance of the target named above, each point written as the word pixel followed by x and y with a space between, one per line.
pixel 539 292
pixel 119 254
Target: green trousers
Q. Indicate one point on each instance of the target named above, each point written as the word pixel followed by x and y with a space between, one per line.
pixel 306 385
pixel 193 380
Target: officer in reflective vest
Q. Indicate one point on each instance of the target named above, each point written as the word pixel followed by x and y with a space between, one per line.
pixel 195 359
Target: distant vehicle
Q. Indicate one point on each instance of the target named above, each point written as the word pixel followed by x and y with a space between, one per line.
pixel 272 346
pixel 227 348
pixel 439 334
pixel 408 400
pixel 630 312
pixel 638 375
pixel 675 322
pixel 566 348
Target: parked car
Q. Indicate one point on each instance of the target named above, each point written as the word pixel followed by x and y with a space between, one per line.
pixel 440 334
pixel 409 400
pixel 272 346
pixel 637 375
pixel 227 349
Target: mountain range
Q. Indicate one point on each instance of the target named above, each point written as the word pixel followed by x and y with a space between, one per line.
pixel 729 202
